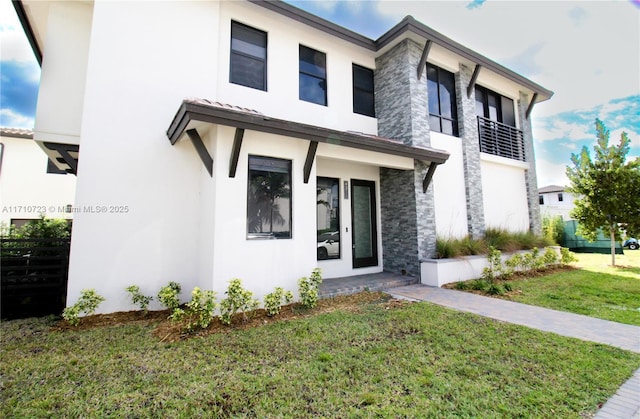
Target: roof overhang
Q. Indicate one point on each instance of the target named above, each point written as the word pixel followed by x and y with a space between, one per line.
pixel 217 113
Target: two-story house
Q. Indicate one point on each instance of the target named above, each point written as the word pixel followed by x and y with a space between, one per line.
pixel 237 139
pixel 555 201
pixel 31 184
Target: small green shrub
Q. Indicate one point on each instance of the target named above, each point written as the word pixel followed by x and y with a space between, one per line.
pixel 462 285
pixel 498 239
pixel 566 256
pixel 550 257
pixel 553 229
pixel 199 312
pixel 238 300
pixel 87 303
pixel 495 289
pixel 496 269
pixel 169 295
pixel 514 262
pixel 273 301
pixel 309 287
pixel 470 246
pixel 446 248
pixel 507 287
pixel 478 285
pixel 138 298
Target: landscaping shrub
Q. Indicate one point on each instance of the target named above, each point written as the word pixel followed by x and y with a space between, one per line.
pixel 553 229
pixel 87 303
pixel 199 312
pixel 566 256
pixel 550 257
pixel 446 248
pixel 273 301
pixel 308 288
pixel 169 295
pixel 138 298
pixel 238 300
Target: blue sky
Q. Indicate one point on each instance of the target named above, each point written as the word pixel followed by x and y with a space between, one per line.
pixel 587 52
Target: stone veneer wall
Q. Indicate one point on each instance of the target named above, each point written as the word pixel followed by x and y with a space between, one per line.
pixel 408 217
pixel 535 222
pixel 468 128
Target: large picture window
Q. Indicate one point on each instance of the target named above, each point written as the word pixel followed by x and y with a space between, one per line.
pixel 313 76
pixel 248 56
pixel 443 111
pixel 363 96
pixel 328 217
pixel 269 198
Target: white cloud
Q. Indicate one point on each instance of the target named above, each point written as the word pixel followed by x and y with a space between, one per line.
pixel 551 173
pixel 15 120
pixel 13 43
pixel 559 129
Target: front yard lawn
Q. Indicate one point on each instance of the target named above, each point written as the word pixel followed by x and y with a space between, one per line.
pixel 595 289
pixel 380 358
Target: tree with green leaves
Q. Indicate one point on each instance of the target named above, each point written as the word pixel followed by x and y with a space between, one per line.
pixel 607 189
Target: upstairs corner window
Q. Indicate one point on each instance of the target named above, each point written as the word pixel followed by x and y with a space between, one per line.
pixel 269 198
pixel 248 57
pixel 363 97
pixel 313 76
pixel 328 217
pixel 541 199
pixel 495 107
pixel 443 111
pixel 560 197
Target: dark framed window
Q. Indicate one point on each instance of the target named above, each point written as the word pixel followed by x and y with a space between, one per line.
pixel 443 111
pixel 269 198
pixel 560 197
pixel 248 57
pixel 328 217
pixel 495 107
pixel 541 199
pixel 363 96
pixel 313 76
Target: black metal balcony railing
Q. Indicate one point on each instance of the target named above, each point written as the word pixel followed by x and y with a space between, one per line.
pixel 500 140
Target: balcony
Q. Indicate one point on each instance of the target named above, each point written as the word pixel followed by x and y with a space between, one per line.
pixel 500 140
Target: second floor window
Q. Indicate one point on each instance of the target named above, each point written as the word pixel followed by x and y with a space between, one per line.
pixel 443 112
pixel 313 76
pixel 363 97
pixel 248 57
pixel 495 107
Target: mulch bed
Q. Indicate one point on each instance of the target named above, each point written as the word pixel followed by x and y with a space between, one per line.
pixel 169 331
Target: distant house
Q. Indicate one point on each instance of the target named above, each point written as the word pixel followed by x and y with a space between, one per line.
pixel 30 183
pixel 555 200
pixel 251 139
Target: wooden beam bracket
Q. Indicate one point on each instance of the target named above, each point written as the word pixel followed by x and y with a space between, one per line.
pixel 428 176
pixel 235 151
pixel 202 150
pixel 474 78
pixel 308 163
pixel 530 107
pixel 423 58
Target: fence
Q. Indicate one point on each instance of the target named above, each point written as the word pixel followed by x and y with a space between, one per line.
pixel 500 139
pixel 33 274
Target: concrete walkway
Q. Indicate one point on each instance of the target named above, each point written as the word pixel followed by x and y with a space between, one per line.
pixel 624 404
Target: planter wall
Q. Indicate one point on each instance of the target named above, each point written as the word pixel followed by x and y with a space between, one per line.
pixel 438 272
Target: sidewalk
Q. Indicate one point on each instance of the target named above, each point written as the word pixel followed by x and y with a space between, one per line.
pixel 624 404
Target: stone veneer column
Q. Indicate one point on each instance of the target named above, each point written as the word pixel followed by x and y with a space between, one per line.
pixel 468 128
pixel 408 218
pixel 531 180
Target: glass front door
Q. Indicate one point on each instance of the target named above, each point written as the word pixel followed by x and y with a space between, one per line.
pixel 363 230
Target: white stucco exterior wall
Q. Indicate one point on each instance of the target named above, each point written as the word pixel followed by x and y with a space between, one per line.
pixel 505 193
pixel 552 206
pixel 26 189
pixel 137 77
pixel 64 69
pixel 449 190
pixel 281 99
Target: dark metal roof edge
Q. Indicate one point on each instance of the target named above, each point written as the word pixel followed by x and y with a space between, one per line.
pixel 206 113
pixel 409 24
pixel 316 22
pixel 28 30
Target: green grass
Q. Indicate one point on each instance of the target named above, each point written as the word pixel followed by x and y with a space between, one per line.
pixel 596 289
pixel 414 360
